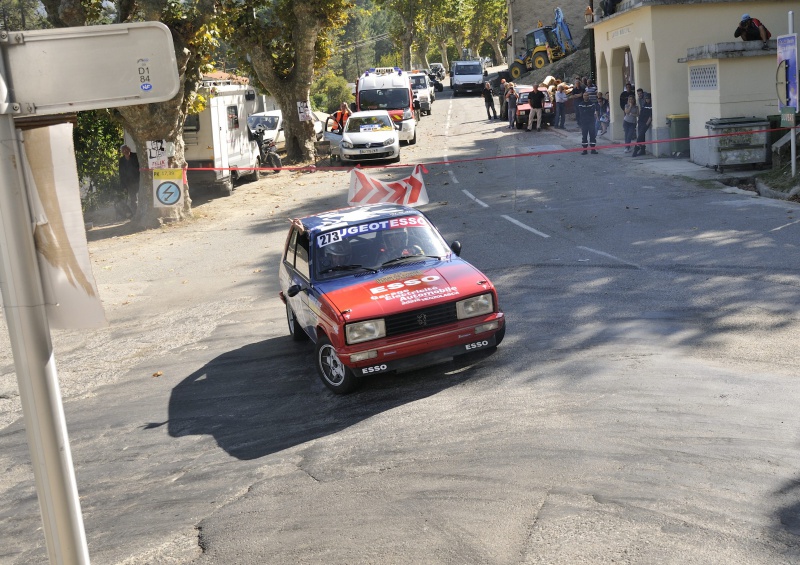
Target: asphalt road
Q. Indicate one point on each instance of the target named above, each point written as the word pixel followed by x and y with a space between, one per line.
pixel 642 408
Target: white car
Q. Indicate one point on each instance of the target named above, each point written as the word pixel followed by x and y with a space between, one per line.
pixel 368 136
pixel 272 124
pixel 423 91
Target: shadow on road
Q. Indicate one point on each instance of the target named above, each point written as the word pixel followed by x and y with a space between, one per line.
pixel 266 397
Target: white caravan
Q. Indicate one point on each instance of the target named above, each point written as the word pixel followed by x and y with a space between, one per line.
pixel 218 138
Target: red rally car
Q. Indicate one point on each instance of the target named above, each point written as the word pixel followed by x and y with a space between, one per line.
pixel 377 289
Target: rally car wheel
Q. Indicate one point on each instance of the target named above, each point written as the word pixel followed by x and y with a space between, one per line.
pixel 295 330
pixel 334 374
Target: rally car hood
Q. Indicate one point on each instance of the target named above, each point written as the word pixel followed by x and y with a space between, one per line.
pixel 403 288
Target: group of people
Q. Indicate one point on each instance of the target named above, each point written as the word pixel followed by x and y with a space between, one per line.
pixel 592 111
pixel 508 99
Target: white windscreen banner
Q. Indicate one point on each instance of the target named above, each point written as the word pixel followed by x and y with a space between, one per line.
pixel 70 292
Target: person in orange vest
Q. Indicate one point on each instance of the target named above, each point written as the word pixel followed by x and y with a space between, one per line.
pixel 340 117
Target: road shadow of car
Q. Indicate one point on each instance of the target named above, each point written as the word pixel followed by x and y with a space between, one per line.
pixel 266 397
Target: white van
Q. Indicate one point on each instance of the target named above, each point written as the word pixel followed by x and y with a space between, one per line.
pixel 423 90
pixel 466 76
pixel 389 88
pixel 218 138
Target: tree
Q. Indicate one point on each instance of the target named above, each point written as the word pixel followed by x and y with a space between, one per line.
pixel 488 23
pixel 194 27
pixel 283 42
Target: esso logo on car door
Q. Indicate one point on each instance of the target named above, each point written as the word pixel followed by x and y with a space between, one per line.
pixel 402 284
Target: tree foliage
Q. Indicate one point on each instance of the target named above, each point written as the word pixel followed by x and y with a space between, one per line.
pixel 283 42
pixel 329 91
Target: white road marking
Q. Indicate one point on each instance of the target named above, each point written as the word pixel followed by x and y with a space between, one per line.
pixel 453 176
pixel 523 226
pixel 604 254
pixel 786 225
pixel 468 193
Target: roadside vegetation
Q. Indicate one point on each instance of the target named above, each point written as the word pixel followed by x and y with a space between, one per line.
pixel 293 50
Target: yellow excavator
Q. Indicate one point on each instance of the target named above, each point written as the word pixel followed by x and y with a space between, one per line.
pixel 544 45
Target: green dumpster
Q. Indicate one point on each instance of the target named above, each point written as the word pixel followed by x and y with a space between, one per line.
pixel 678 128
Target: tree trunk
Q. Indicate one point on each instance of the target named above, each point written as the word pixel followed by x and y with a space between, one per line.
pixel 151 122
pixel 295 86
pixel 443 50
pixel 499 57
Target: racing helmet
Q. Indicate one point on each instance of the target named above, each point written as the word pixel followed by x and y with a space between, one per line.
pixel 338 252
pixel 395 239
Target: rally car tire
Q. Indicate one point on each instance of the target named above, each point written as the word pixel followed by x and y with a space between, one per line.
pixel 295 331
pixel 334 374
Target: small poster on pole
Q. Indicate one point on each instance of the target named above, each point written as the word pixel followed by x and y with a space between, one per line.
pixel 157 157
pixel 304 111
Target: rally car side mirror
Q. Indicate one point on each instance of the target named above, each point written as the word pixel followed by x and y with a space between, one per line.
pixel 455 246
pixel 294 290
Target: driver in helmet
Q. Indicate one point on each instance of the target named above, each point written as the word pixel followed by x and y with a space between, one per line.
pixel 337 254
pixel 396 244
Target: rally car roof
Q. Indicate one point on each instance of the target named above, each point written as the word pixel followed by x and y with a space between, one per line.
pixel 353 215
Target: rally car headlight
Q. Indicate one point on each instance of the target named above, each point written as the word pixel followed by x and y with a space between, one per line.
pixel 407 114
pixel 347 145
pixel 365 331
pixel 475 306
pixel 388 141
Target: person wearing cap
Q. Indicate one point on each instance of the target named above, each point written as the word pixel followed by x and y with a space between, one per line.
pixel 511 104
pixel 751 29
pixel 129 175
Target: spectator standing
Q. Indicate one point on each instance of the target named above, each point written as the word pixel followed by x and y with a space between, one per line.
pixel 577 94
pixel 751 29
pixel 501 97
pixel 340 117
pixel 488 99
pixel 603 114
pixel 129 176
pixel 536 99
pixel 640 94
pixel 645 121
pixel 623 98
pixel 591 88
pixel 629 121
pixel 561 106
pixel 586 111
pixel 511 104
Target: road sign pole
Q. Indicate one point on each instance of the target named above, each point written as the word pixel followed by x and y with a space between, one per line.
pixel 793 136
pixel 39 392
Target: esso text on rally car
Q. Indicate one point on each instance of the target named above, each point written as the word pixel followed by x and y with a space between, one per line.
pixel 377 289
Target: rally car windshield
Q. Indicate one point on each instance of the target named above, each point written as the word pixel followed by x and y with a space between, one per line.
pixel 368 247
pixel 384 99
pixel 418 82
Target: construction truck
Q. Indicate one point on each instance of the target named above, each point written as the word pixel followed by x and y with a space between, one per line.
pixel 544 45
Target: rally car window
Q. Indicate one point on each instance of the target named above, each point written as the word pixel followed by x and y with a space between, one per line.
pixel 297 253
pixel 301 255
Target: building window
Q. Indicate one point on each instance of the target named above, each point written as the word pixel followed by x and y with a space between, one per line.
pixel 703 78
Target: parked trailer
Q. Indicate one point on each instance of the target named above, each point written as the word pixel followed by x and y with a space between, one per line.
pixel 218 139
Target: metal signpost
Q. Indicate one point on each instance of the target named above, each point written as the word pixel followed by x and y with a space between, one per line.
pixel 48 72
pixel 788 87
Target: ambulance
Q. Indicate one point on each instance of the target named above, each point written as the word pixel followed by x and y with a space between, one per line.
pixel 389 88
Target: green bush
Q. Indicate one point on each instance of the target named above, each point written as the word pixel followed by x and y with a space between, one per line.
pixel 97 138
pixel 328 92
